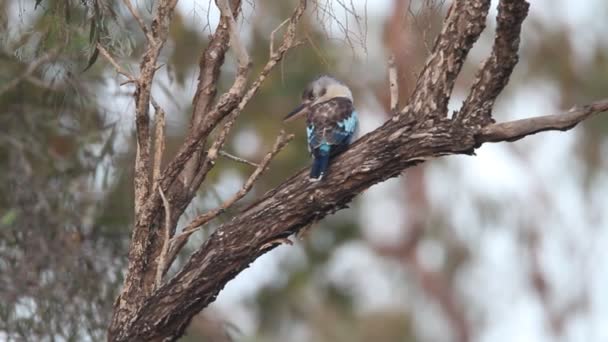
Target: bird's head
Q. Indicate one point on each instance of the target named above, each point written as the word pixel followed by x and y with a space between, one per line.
pixel 322 89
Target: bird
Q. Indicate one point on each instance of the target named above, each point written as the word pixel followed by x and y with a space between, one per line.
pixel 331 121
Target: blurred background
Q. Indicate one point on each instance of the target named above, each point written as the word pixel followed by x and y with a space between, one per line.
pixel 508 245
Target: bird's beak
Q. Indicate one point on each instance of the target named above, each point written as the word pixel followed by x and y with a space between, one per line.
pixel 295 113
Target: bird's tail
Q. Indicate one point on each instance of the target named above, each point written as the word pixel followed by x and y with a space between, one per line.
pixel 319 166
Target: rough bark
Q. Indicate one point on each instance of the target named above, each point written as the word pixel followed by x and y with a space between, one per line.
pixel 421 131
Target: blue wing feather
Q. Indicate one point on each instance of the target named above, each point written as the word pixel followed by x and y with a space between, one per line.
pixel 331 126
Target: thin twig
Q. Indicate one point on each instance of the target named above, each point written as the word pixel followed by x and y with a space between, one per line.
pixel 393 83
pixel 237 159
pixel 273 33
pixel 120 70
pixel 235 39
pixel 148 66
pixel 139 20
pixel 163 253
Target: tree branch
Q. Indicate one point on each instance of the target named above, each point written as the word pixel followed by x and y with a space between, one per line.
pixel 120 70
pixel 140 278
pixel 465 21
pixel 233 246
pixel 515 130
pixel 147 241
pixel 178 241
pixel 138 18
pixel 163 254
pixel 159 142
pixel 496 70
pixel 237 159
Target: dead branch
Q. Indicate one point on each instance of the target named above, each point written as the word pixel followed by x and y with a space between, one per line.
pixel 515 130
pixel 120 70
pixel 237 159
pixel 166 242
pixel 209 65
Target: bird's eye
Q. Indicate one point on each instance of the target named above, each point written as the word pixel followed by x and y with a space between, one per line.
pixel 322 92
pixel 311 95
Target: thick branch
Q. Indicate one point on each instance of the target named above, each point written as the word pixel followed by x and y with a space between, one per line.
pixel 463 25
pixel 496 70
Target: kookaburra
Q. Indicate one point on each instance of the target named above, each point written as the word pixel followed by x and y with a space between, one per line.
pixel 331 121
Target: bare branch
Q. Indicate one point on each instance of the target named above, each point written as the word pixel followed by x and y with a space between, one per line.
pixel 140 278
pixel 163 254
pixel 159 142
pixel 237 159
pixel 120 70
pixel 281 141
pixel 515 130
pixel 235 39
pixel 464 23
pixel 393 83
pixel 178 241
pixel 210 63
pixel 496 70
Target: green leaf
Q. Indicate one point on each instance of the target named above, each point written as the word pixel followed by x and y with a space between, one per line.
pixel 8 218
pixel 92 60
